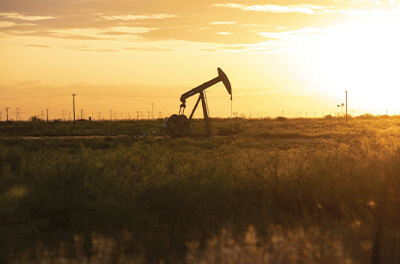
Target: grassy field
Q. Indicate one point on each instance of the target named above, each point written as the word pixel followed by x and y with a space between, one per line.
pixel 260 191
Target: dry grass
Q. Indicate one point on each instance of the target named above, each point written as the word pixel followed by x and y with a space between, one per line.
pixel 279 191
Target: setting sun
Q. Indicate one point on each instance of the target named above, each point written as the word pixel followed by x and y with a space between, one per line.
pixel 362 57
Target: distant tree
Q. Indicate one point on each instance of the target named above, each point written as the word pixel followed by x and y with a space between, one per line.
pixel 35 118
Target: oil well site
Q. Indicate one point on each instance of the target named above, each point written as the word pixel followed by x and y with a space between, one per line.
pixel 208 190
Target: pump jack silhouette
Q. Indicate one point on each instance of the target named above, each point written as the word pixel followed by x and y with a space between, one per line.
pixel 179 125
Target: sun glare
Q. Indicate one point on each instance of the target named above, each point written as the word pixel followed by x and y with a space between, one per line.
pixel 363 58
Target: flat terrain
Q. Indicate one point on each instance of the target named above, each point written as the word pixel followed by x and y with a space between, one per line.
pixel 259 191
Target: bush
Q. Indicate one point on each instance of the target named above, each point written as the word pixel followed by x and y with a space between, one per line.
pixel 14 158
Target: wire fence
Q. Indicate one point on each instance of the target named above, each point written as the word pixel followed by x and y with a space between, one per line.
pixel 67 115
pixel 18 114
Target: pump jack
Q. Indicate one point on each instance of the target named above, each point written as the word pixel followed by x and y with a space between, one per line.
pixel 179 125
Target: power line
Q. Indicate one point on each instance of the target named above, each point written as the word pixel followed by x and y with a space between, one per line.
pixel 17 114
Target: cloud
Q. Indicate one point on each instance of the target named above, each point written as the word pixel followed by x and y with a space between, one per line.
pixel 208 50
pixel 287 34
pixel 115 33
pixel 233 47
pixel 195 21
pixel 125 30
pixel 138 17
pixel 225 33
pixel 6 24
pixel 57 35
pixel 254 25
pixel 37 46
pixel 95 50
pixel 112 33
pixel 236 35
pixel 223 23
pixel 303 8
pixel 78 37
pixel 20 16
pixel 91 49
pixel 147 49
pixel 379 2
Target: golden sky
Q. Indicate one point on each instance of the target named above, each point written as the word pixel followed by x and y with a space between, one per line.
pixel 291 56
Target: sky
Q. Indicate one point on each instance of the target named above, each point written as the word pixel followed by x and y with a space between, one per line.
pixel 282 57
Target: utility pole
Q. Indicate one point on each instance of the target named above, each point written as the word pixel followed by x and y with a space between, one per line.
pixel 99 116
pixel 81 113
pixel 73 101
pixel 137 115
pixel 64 115
pixel 110 115
pixel 346 106
pixel 152 111
pixel 47 118
pixel 7 112
pixel 17 117
pixel 231 107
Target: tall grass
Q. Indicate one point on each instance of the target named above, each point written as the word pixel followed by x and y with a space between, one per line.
pixel 246 199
